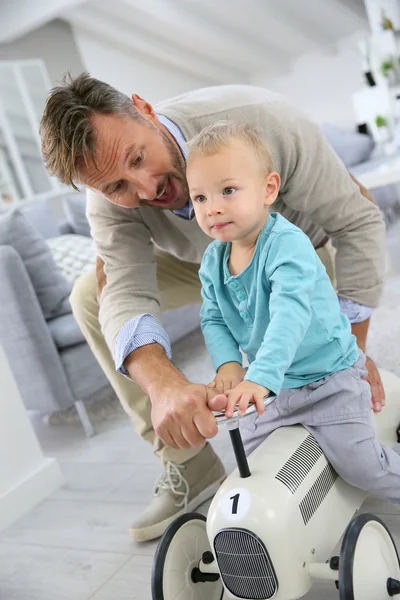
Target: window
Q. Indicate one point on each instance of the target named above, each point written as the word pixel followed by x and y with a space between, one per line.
pixel 24 86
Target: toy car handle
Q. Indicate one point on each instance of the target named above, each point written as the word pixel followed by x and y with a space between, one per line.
pixel 223 420
pixel 234 432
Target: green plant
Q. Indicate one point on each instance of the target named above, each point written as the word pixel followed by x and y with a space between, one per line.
pixel 380 121
pixel 386 66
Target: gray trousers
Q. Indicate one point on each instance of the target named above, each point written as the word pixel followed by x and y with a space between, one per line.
pixel 336 411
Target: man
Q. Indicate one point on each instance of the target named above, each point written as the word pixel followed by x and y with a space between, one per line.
pixel 131 158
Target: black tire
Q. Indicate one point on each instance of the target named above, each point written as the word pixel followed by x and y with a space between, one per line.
pixel 350 539
pixel 157 575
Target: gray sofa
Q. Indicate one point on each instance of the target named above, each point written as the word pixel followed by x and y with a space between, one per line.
pixel 52 364
pixel 359 154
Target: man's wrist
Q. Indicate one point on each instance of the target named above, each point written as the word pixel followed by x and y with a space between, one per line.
pixel 360 330
pixel 161 388
pixel 150 368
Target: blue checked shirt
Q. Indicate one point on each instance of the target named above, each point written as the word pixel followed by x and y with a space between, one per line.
pixel 146 329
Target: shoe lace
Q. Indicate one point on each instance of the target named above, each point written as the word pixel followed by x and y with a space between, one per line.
pixel 173 480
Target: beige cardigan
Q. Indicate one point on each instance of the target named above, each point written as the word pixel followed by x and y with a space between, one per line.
pixel 317 194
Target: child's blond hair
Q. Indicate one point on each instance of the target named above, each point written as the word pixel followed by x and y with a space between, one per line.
pixel 220 135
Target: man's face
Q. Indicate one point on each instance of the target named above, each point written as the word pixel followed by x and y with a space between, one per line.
pixel 137 163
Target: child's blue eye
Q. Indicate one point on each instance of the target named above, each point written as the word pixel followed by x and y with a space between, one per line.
pixel 228 191
pixel 200 199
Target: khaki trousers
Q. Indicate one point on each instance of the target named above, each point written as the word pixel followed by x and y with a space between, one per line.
pixel 179 285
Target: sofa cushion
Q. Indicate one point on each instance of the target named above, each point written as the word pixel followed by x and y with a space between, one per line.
pixel 65 331
pixel 83 372
pixel 74 254
pixel 75 210
pixel 39 215
pixel 353 148
pixel 51 287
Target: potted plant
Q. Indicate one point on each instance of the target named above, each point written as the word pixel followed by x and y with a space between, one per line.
pixel 388 71
pixel 383 131
pixel 380 121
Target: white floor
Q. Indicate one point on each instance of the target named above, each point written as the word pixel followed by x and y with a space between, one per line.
pixel 76 545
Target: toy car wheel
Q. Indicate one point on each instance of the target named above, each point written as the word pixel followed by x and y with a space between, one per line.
pixel 176 561
pixel 369 563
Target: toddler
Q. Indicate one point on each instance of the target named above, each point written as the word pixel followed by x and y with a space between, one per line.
pixel 266 291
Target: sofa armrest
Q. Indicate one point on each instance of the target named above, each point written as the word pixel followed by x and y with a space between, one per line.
pixel 26 340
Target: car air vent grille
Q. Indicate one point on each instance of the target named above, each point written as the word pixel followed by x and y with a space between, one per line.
pixel 245 566
pixel 317 492
pixel 298 466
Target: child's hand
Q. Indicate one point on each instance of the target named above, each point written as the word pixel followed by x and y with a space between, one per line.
pixel 244 394
pixel 229 375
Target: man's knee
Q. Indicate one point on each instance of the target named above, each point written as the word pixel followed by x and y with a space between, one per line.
pixel 83 298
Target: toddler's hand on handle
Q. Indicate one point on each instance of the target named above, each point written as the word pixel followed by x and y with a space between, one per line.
pixel 229 375
pixel 247 392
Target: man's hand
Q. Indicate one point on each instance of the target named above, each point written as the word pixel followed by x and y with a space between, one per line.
pixel 228 376
pixel 243 394
pixel 360 330
pixel 374 380
pixel 181 417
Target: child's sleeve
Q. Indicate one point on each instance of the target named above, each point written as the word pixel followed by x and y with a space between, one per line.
pixel 221 345
pixel 291 271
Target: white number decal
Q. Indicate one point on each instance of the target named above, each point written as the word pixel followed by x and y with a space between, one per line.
pixel 236 504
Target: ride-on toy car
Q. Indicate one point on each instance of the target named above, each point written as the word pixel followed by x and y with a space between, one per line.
pixel 274 522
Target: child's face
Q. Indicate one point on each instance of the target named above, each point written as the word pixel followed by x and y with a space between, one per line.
pixel 231 193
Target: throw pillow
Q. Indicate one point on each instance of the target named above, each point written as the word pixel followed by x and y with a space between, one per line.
pixel 75 209
pixel 39 215
pixel 52 289
pixel 73 254
pixel 353 148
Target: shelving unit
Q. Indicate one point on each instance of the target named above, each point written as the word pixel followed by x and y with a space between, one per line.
pixel 378 106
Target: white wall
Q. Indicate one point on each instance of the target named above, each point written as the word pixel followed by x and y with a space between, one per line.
pixel 130 72
pixel 53 43
pixel 26 477
pixel 322 86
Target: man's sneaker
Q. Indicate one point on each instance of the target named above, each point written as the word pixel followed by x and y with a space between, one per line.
pixel 180 489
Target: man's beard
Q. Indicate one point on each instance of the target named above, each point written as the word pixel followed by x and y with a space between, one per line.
pixel 177 173
pixel 179 168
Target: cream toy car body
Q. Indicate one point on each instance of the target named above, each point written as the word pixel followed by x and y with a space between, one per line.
pixel 274 522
